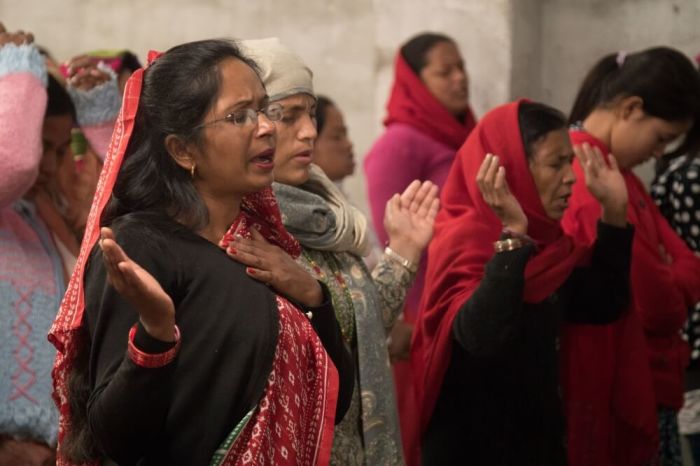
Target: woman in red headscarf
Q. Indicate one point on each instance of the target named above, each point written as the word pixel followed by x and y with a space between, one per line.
pixel 169 352
pixel 428 120
pixel 486 342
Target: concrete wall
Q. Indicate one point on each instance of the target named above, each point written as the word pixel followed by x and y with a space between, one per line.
pixel 480 28
pixel 526 33
pixel 350 44
pixel 513 48
pixel 575 34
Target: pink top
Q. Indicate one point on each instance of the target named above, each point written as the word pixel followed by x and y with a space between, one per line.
pixel 403 154
pixel 99 136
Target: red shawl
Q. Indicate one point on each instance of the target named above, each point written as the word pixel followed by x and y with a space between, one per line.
pixel 615 376
pixel 304 431
pixel 465 230
pixel 413 104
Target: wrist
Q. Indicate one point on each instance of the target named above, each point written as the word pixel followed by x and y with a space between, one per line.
pixel 152 360
pixel 411 266
pixel 161 329
pixel 406 249
pixel 509 244
pixel 516 229
pixel 314 295
pixel 614 215
pixel 507 233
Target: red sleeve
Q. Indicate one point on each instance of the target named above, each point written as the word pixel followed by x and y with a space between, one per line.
pixel 581 218
pixel 685 266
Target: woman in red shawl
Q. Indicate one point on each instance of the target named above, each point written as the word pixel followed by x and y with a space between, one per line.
pixel 428 120
pixel 634 105
pixel 486 342
pixel 169 353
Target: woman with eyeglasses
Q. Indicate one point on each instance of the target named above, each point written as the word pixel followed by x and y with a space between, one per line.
pixel 169 352
pixel 333 236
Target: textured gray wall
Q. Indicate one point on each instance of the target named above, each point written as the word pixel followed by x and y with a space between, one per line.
pixel 349 44
pixel 575 34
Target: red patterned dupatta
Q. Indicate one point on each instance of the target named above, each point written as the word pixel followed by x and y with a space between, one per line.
pixel 294 421
pixel 63 332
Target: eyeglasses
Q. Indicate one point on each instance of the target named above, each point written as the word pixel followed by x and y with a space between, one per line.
pixel 273 112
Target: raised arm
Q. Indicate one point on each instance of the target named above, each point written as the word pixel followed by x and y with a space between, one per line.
pixel 601 291
pixel 95 93
pixel 133 382
pixel 408 220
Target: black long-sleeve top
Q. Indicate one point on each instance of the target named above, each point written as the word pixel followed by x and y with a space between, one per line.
pixel 180 413
pixel 500 403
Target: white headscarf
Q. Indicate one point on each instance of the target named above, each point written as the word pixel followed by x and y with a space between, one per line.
pixel 283 72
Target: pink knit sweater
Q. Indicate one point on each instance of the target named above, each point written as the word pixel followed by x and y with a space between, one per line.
pixel 23 101
pixel 31 279
pixel 31 269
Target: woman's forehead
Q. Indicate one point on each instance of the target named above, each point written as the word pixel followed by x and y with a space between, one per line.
pixel 239 83
pixel 554 144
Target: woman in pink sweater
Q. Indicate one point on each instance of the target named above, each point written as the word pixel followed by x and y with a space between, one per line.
pixel 36 116
pixel 428 120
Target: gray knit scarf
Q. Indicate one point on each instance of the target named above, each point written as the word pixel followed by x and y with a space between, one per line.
pixel 320 217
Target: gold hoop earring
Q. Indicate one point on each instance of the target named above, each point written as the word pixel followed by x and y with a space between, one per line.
pixel 192 168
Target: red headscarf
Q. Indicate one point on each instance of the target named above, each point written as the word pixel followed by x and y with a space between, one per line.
pixel 258 210
pixel 465 230
pixel 413 104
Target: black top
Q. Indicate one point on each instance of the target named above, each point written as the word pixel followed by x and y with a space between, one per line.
pixel 180 413
pixel 499 404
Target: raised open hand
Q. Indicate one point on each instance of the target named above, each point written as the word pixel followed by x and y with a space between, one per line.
pixel 272 265
pixel 17 37
pixel 605 183
pixel 409 218
pixel 140 288
pixel 491 179
pixel 84 74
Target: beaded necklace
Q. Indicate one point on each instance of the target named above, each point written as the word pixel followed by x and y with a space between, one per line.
pixel 345 319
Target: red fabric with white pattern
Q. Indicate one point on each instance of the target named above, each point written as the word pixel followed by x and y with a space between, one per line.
pixel 70 315
pixel 293 423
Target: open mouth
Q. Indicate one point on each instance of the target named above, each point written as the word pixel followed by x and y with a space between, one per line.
pixel 265 159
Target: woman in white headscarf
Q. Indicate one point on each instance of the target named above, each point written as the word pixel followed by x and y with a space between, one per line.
pixel 333 236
